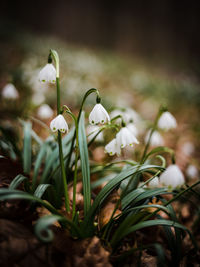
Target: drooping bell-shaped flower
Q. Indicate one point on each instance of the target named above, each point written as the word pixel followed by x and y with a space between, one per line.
pixel 156 139
pixel 167 121
pixel 125 138
pixel 45 112
pixel 92 130
pixel 112 148
pixel 98 115
pixel 59 123
pixel 154 182
pixel 192 171
pixel 48 74
pixel 10 92
pixel 172 177
pixel 132 128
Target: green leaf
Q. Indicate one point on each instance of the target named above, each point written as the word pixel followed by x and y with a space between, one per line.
pixel 110 186
pixel 17 181
pixel 159 149
pixel 27 147
pixel 40 190
pixel 84 164
pixel 6 194
pixel 42 226
pixel 145 224
pixel 38 163
pixel 140 194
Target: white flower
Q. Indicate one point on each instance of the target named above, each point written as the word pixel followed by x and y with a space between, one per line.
pixel 59 123
pixel 154 182
pixel 156 139
pixel 167 121
pixel 92 130
pixel 98 115
pixel 45 112
pixel 192 171
pixel 172 176
pixel 10 92
pixel 124 138
pixel 132 129
pixel 48 74
pixel 128 115
pixel 112 148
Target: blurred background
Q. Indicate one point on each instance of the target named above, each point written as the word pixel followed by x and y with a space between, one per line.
pixel 140 54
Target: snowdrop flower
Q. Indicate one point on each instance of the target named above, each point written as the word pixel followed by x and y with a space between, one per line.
pixel 112 148
pixel 48 74
pixel 124 138
pixel 59 123
pixel 132 129
pixel 156 139
pixel 154 182
pixel 98 115
pixel 167 121
pixel 192 171
pixel 45 112
pixel 10 92
pixel 92 130
pixel 172 176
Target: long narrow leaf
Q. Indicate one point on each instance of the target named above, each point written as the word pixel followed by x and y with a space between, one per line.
pixel 40 190
pixel 84 164
pixel 111 185
pixel 150 223
pixel 17 181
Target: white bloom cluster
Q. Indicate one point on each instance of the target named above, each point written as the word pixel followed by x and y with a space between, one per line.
pixel 123 138
pixel 167 121
pixel 59 123
pixel 10 92
pixel 48 74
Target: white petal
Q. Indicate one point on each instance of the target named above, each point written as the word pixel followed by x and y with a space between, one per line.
pixel 45 112
pixel 124 138
pixel 156 138
pixel 48 74
pixel 59 123
pixel 10 92
pixel 167 121
pixel 112 149
pixel 172 176
pixel 98 115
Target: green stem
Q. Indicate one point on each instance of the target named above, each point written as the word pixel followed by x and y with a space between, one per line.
pixel 161 110
pixel 63 173
pixel 76 161
pixel 75 174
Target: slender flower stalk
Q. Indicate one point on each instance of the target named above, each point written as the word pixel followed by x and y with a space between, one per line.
pixel 54 54
pixel 76 161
